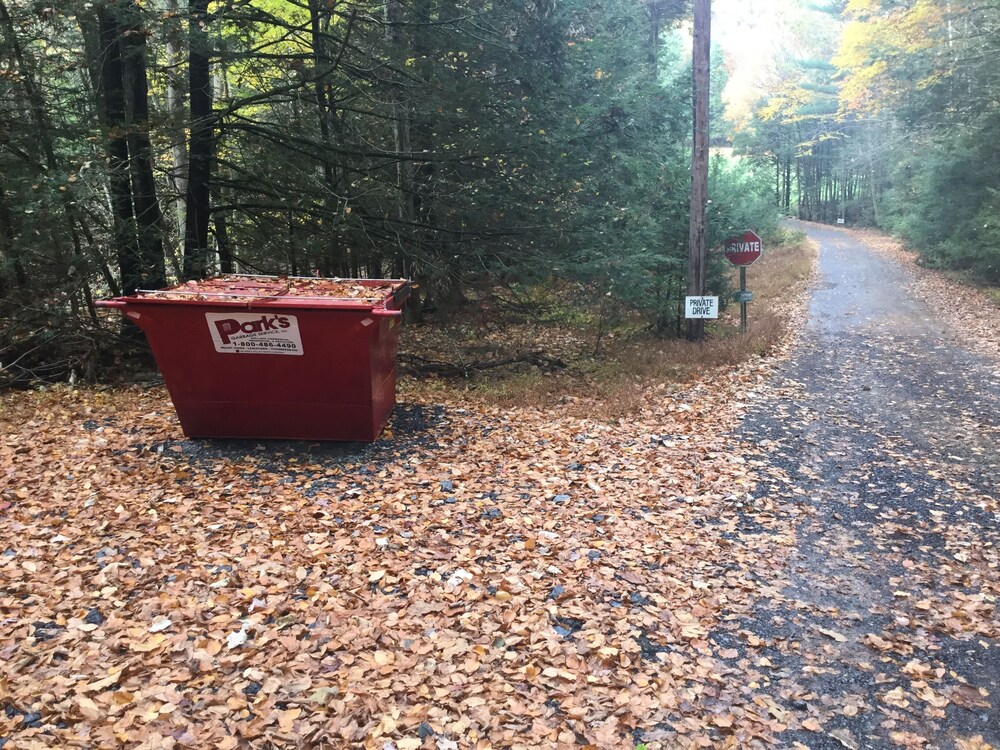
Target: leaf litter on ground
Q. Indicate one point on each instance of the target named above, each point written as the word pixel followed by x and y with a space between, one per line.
pixel 498 578
pixel 283 599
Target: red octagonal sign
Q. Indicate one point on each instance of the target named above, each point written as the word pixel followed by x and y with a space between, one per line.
pixel 743 249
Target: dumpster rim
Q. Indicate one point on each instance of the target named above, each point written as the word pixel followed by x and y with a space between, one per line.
pixel 392 301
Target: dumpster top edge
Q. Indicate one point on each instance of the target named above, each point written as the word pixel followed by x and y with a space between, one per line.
pixel 275 291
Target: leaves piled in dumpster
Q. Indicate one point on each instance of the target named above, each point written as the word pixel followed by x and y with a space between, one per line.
pixel 237 288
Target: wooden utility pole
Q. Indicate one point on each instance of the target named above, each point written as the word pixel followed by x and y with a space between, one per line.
pixel 698 252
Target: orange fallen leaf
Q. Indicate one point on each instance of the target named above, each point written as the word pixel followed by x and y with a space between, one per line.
pixel 895 697
pixel 286 719
pixel 151 643
pixel 838 637
pixel 88 709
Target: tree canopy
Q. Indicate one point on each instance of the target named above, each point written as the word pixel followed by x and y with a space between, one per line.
pixel 893 125
pixel 457 142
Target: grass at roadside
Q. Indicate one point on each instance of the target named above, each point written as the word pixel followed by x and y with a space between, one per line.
pixel 608 367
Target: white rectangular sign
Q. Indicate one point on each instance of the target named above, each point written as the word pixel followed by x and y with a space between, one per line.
pixel 254 333
pixel 701 307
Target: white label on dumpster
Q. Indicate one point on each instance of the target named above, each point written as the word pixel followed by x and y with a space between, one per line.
pixel 254 333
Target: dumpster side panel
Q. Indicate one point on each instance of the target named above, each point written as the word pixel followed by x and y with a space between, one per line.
pixel 383 371
pixel 319 385
pixel 277 421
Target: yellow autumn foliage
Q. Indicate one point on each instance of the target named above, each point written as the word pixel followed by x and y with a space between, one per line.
pixel 877 43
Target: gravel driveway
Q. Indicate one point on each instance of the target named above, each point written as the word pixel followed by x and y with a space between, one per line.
pixel 884 428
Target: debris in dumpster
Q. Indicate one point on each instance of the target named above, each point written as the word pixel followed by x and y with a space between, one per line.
pixel 238 288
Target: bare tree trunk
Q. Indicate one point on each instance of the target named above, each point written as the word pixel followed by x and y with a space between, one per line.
pixel 176 98
pixel 226 260
pixel 799 190
pixel 777 180
pixel 333 263
pixel 655 15
pixel 874 189
pixel 149 218
pixel 196 250
pixel 698 252
pixel 406 208
pixel 788 185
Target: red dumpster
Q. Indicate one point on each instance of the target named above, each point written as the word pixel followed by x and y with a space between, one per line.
pixel 275 357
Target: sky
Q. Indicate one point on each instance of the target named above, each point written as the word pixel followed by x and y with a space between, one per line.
pixel 753 35
pixel 750 34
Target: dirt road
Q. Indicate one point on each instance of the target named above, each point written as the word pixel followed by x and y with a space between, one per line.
pixel 885 427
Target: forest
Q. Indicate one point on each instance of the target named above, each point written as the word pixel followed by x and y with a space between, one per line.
pixel 523 509
pixel 462 144
pixel 884 113
pixel 476 147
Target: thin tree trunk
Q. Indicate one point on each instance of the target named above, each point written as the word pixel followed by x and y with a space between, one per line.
pixel 149 218
pixel 99 261
pixel 788 185
pixel 406 207
pixel 777 180
pixel 220 225
pixel 196 250
pixel 871 162
pixel 176 97
pixel 655 12
pixel 226 263
pixel 333 262
pixel 798 188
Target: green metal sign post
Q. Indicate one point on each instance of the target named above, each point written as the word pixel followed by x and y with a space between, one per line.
pixel 743 302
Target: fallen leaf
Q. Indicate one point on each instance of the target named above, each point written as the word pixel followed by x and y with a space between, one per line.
pixel 88 709
pixel 973 743
pixel 151 643
pixel 909 740
pixel 968 696
pixel 877 642
pixel 104 682
pixel 927 695
pixel 286 719
pixel 833 634
pixel 160 624
pixel 896 697
pixel 845 738
pixel 237 639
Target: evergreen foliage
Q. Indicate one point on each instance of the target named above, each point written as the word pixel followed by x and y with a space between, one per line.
pixel 457 142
